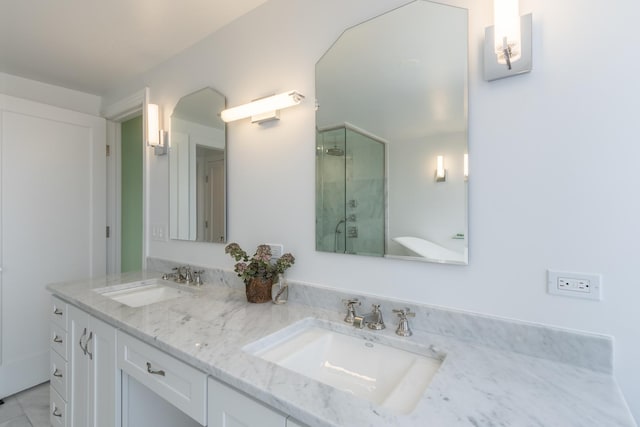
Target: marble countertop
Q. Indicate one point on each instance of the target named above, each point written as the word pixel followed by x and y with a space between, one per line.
pixel 475 386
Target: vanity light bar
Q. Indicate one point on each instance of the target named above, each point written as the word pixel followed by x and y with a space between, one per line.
pixel 263 109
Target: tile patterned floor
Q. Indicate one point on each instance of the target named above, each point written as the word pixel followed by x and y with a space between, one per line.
pixel 29 408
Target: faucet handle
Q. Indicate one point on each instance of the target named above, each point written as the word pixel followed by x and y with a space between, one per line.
pixel 403 327
pixel 351 302
pixel 197 277
pixel 351 309
pixel 404 313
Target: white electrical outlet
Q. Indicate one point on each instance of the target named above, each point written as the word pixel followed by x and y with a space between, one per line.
pixel 159 232
pixel 277 249
pixel 574 285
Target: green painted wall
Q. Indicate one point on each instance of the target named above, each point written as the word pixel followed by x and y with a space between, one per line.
pixel 131 202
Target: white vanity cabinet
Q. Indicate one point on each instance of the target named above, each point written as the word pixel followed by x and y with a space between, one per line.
pixel 103 377
pixel 95 383
pixel 228 407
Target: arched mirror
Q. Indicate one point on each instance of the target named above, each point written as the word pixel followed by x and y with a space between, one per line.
pixel 197 168
pixel 392 105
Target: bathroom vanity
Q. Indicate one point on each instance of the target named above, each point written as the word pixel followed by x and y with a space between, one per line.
pixel 204 356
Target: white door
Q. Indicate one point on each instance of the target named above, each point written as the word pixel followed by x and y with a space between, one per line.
pixel 52 181
pixel 216 208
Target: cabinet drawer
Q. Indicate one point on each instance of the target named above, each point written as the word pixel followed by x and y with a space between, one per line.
pixel 57 409
pixel 58 312
pixel 58 340
pixel 58 369
pixel 175 381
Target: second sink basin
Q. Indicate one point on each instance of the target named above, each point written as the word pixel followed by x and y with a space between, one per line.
pixel 385 375
pixel 144 292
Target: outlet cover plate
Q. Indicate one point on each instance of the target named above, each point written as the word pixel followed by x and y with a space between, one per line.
pixel 575 285
pixel 277 249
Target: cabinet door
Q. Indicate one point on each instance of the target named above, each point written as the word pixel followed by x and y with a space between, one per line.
pixel 104 384
pixel 78 401
pixel 293 423
pixel 94 384
pixel 230 408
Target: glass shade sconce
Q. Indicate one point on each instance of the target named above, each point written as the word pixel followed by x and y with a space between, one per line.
pixel 264 109
pixel 156 137
pixel 441 172
pixel 507 44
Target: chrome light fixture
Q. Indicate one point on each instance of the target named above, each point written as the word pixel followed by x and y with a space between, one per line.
pixel 264 109
pixel 156 137
pixel 441 172
pixel 507 45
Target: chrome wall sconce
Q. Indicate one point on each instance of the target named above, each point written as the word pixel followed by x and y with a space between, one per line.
pixel 264 109
pixel 441 172
pixel 156 137
pixel 507 44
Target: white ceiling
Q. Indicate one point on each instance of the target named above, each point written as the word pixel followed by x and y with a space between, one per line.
pixel 92 45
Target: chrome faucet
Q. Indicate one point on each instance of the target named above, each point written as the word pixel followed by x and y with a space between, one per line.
pixel 182 274
pixel 373 320
pixel 403 327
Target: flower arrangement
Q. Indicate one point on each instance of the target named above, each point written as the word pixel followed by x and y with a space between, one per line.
pixel 259 265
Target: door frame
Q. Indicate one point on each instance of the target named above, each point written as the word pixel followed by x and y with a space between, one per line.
pixel 116 113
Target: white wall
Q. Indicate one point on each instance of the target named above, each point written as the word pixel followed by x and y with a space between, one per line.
pixel 553 158
pixel 49 94
pixel 438 209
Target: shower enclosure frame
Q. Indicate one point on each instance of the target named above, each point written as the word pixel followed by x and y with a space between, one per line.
pixel 322 232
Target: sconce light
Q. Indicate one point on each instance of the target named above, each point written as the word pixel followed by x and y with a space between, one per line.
pixel 263 109
pixel 466 167
pixel 441 172
pixel 156 137
pixel 507 45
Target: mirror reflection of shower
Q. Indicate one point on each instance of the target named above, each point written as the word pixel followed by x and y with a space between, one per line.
pixel 350 196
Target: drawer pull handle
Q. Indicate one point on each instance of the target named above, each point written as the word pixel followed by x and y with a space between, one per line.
pixel 83 347
pixel 55 412
pixel 86 346
pixel 57 311
pixel 151 371
pixel 57 373
pixel 57 339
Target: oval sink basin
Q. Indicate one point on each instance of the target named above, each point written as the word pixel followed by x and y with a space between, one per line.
pixel 144 292
pixel 385 375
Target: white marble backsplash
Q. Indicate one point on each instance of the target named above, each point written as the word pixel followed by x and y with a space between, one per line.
pixel 585 350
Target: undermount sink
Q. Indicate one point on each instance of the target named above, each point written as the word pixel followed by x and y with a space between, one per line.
pixel 385 375
pixel 144 292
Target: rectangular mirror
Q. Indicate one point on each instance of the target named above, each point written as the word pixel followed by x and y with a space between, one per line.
pixel 197 168
pixel 392 106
